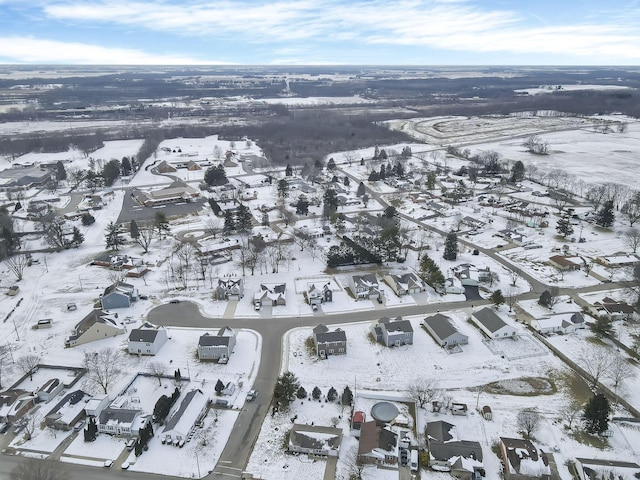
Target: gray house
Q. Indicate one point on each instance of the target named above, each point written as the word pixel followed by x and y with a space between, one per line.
pixel 364 287
pixel 329 342
pixel 443 331
pixel 217 347
pixel 229 289
pixel 95 326
pixel 393 333
pixel 147 340
pixel 119 295
pixel 315 440
pixel 463 458
pixel 405 284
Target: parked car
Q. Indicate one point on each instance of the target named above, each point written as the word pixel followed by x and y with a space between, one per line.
pixel 125 466
pixel 71 306
pixel 251 395
pixel 175 300
pixel 131 443
pixel 4 427
pixel 108 463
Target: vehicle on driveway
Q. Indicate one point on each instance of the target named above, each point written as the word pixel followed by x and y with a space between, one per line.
pixel 108 463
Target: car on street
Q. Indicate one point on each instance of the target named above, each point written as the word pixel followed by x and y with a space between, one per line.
pixel 175 300
pixel 251 395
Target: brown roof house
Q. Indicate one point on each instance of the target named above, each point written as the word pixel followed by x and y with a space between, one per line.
pixel 378 446
pixel 95 326
pixel 566 263
pixel 14 404
pixel 615 310
pixel 522 461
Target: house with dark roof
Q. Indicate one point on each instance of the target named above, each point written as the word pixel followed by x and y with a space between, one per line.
pixel 329 342
pixel 522 461
pixel 566 263
pixel 217 347
pixel 615 310
pixel 405 284
pixel 229 289
pixel 377 445
pixel 317 296
pixel 147 340
pixel 192 409
pixel 566 322
pixel 447 453
pixel 490 323
pixel 68 411
pixel 271 294
pixel 95 326
pixel 393 333
pixel 14 404
pixel 119 295
pixel 442 329
pixel 595 469
pixel 315 440
pixel 364 287
pixel 178 191
pixel 122 421
pixel 49 390
pixel 15 179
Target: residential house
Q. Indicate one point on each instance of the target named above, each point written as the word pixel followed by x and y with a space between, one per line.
pixel 393 333
pixel 377 445
pixel 317 296
pixel 49 390
pixel 512 236
pixel 522 461
pixel 229 289
pixel 329 342
pixel 563 323
pixel 119 295
pixel 14 404
pixel 147 340
pixel 453 285
pixel 95 405
pixel 615 310
pixel 595 469
pixel 364 287
pixel 68 411
pixel 217 347
pixel 182 421
pixel 95 326
pixel 271 294
pixel 619 259
pixel 443 331
pixel 315 440
pixel 165 167
pixel 405 284
pixel 447 453
pixel 491 324
pixel 470 275
pixel 566 263
pixel 122 421
pixel 177 191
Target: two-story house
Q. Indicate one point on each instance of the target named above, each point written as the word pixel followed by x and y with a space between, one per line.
pixel 393 333
pixel 329 342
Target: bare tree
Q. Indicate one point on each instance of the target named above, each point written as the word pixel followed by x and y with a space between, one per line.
pixel 571 412
pixel 534 144
pixel 424 390
pixel 511 297
pixel 514 275
pixel 35 469
pixel 32 423
pixel 620 371
pixel 349 157
pixel 597 363
pixel 356 469
pixel 528 421
pixel 16 264
pixel 213 227
pixel 104 367
pixel 28 363
pixel 632 239
pixel 157 369
pixel 145 236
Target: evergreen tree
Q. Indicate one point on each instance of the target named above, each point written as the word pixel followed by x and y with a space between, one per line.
pixel 229 223
pixel 431 180
pixel 219 387
pixel 113 237
pixel 215 208
pixel 215 175
pixel 283 188
pixel 161 224
pixel 126 166
pixel 88 219
pixel 111 172
pixel 596 414
pixel 61 172
pixel 332 394
pixel 376 153
pixel 497 298
pixel 346 397
pixel 362 162
pixel 602 327
pixel 361 189
pixel 563 225
pixel 331 164
pixel 605 215
pixel 301 393
pixel 346 182
pixel 451 246
pixel 330 202
pixel 289 170
pixel 286 388
pixel 316 393
pixel 383 154
pixel 373 176
pixel 243 219
pixel 77 237
pixel 431 273
pixel 517 172
pixel 335 179
pixel 134 230
pixel 302 206
pixel 383 174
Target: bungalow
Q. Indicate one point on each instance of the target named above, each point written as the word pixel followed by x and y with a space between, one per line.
pixel 122 421
pixel 329 342
pixel 315 440
pixel 615 310
pixel 147 340
pixel 522 461
pixel 68 411
pixel 566 322
pixel 49 390
pixel 364 287
pixel 192 409
pixel 470 275
pixel 593 469
pixel 512 236
pixel 95 326
pixel 273 294
pixel 443 331
pixel 217 347
pixel 229 289
pixel 14 404
pixel 119 295
pixel 619 259
pixel 491 324
pixel 453 286
pixel 463 458
pixel 566 263
pixel 316 296
pixel 177 191
pixel 393 333
pixel 405 284
pixel 377 445
pixel 165 167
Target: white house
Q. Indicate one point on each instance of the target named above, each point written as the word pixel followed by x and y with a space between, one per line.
pixel 566 322
pixel 147 340
pixel 492 325
pixel 182 421
pixel 217 347
pixel 364 287
pixel 405 284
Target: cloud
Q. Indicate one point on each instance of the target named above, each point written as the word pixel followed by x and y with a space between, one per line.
pixel 34 50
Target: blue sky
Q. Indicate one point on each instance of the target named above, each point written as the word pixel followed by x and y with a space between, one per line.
pixel 321 32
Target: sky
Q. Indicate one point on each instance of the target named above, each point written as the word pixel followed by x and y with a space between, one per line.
pixel 320 32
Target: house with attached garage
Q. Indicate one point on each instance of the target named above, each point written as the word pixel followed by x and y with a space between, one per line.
pixel 68 411
pixel 119 295
pixel 562 323
pixel 229 289
pixel 405 284
pixel 315 440
pixel 443 331
pixel 95 326
pixel 393 333
pixel 522 460
pixel 377 445
pixel 490 323
pixel 566 263
pixel 329 342
pixel 14 404
pixel 273 294
pixel 317 296
pixel 182 422
pixel 147 340
pixel 447 453
pixel 364 287
pixel 217 347
pixel 615 310
pixel 122 421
